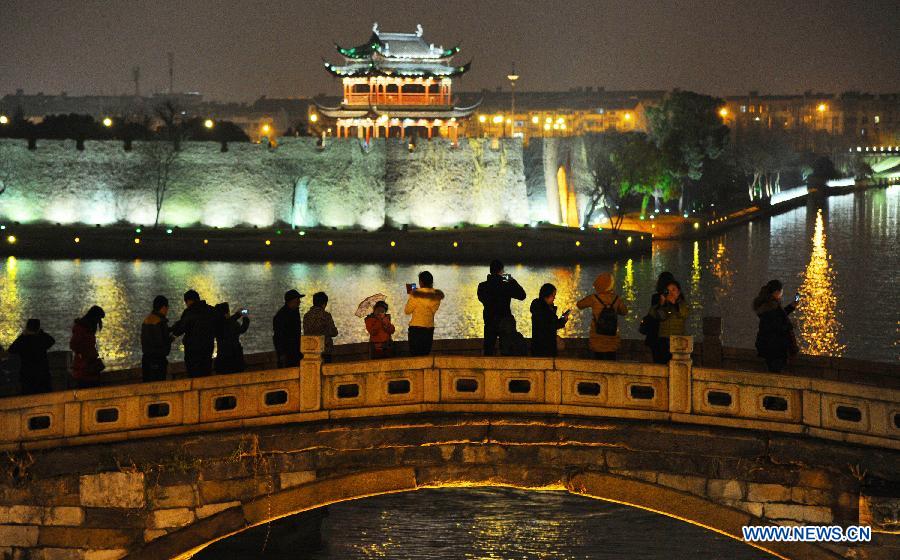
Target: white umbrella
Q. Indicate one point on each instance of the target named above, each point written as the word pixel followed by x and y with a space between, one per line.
pixel 366 305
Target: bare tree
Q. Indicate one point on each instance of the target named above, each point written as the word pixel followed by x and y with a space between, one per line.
pixel 159 161
pixel 605 179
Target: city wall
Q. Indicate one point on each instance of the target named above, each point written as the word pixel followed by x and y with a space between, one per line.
pixel 344 184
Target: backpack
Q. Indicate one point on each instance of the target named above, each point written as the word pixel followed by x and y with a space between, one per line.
pixel 607 321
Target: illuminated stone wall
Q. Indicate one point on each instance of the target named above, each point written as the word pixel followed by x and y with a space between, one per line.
pixel 544 157
pixel 340 186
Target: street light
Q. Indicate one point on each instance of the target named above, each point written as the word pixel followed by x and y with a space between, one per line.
pixel 723 112
pixel 313 118
pixel 266 128
pixel 208 123
pixel 822 108
pixel 107 122
pixel 4 119
pixel 512 77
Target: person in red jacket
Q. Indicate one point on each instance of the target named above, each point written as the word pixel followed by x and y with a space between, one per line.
pixel 378 323
pixel 87 365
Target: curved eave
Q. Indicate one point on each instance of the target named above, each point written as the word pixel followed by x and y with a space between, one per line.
pixel 361 51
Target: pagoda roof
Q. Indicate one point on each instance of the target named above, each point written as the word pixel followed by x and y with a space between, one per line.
pixel 401 46
pixel 397 54
pixel 411 112
pixel 378 66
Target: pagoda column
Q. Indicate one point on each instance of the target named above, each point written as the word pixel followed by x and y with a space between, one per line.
pixel 429 131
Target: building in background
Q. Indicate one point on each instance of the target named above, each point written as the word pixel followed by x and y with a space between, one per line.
pixel 396 84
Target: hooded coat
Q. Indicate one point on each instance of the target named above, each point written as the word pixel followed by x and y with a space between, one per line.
pixel 422 304
pixel 604 295
pixel 774 337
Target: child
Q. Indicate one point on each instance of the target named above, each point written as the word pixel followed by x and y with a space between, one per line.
pixel 378 323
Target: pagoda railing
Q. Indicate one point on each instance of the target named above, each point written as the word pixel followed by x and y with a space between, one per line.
pixel 397 99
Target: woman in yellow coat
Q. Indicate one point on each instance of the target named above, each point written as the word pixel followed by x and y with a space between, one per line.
pixel 605 307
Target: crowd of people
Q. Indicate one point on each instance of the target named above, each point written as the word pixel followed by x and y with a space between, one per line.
pixel 211 335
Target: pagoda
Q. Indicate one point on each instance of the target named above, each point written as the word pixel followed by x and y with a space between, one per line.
pixel 396 85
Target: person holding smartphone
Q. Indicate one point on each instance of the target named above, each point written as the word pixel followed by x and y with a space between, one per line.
pixel 545 323
pixel 775 339
pixel 495 295
pixel 422 304
pixel 229 328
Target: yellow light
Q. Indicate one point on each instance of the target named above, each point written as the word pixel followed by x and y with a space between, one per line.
pixel 723 112
pixel 508 120
pixel 77 240
pixel 627 116
pixel 482 118
pixel 268 242
pixel 546 126
pixel 330 243
pixel 498 119
pixel 266 128
pixel 518 243
pixel 137 240
pixel 629 239
pixel 560 119
pixel 455 244
pixel 822 108
pixel 206 241
pixel 534 119
pixel 578 243
pixel 393 243
pixel 11 239
pixel 562 126
pixel 313 118
pixel 208 123
pixel 615 242
pixel 696 225
pixel 107 122
pixel 549 120
pixel 4 119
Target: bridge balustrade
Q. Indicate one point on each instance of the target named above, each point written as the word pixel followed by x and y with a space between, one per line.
pixel 677 392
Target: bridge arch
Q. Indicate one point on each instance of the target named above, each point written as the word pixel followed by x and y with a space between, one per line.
pixel 474 464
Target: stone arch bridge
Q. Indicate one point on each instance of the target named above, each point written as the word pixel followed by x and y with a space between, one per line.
pixel 161 470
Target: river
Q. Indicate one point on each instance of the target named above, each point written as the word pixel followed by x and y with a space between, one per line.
pixel 843 257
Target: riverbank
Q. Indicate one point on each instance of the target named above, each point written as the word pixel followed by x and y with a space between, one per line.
pixel 671 227
pixel 452 245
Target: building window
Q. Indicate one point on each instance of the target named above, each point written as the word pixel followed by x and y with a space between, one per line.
pixel 743 108
pixel 877 119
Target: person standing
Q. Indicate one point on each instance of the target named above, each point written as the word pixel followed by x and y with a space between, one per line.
pixel 545 323
pixel 775 338
pixel 318 322
pixel 86 363
pixel 229 352
pixel 495 294
pixel 422 304
pixel 380 329
pixel 671 310
pixel 286 330
pixel 605 306
pixel 31 347
pixel 198 325
pixel 156 341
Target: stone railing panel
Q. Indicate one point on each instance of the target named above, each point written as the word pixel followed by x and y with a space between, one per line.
pixel 514 386
pixel 584 388
pixel 462 385
pixel 615 368
pixel 375 366
pixel 492 362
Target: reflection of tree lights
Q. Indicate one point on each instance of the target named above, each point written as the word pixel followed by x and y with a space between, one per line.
pixel 819 325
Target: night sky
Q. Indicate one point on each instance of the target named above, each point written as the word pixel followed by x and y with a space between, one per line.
pixel 239 50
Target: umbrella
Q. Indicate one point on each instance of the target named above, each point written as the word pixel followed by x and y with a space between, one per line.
pixel 366 305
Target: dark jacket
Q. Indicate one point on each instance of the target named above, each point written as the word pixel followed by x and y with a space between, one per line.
pixel 495 294
pixel 775 335
pixel 198 325
pixel 35 369
pixel 229 352
pixel 156 342
pixel 544 324
pixel 318 322
pixel 84 346
pixel 286 333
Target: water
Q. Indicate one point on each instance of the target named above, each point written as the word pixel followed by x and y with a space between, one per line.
pixel 843 257
pixel 496 523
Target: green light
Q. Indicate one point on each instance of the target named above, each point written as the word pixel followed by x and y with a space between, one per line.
pixel 169 231
pixel 277 232
pixel 137 230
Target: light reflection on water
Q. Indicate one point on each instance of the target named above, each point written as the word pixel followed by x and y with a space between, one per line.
pixel 850 309
pixel 499 524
